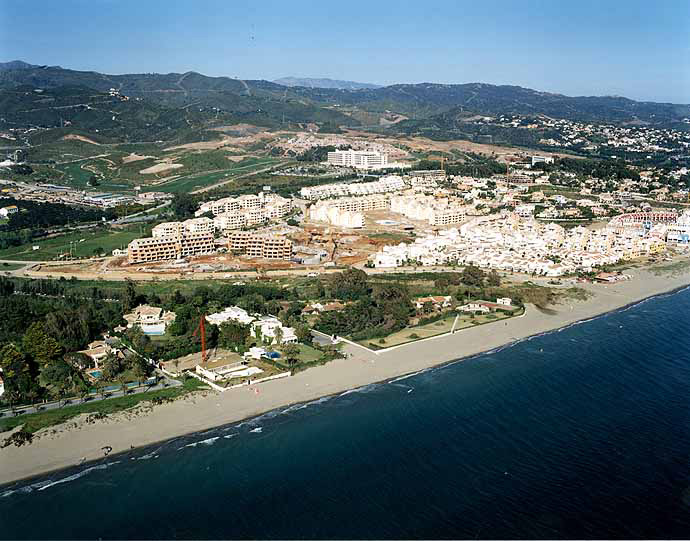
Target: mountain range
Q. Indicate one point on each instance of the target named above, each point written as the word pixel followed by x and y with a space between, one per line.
pixel 46 96
pixel 323 83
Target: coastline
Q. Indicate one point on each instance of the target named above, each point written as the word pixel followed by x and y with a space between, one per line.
pixel 65 447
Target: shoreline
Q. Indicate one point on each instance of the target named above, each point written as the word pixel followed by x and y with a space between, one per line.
pixel 64 446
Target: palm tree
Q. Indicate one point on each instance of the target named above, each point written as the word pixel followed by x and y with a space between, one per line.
pixel 123 384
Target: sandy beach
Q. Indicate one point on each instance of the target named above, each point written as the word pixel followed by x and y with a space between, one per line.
pixel 60 447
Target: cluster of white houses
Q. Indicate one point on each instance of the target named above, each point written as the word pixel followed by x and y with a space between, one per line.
pixel 509 243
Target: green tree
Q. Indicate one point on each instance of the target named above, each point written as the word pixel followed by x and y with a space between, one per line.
pixel 140 368
pixel 291 353
pixel 493 280
pixel 473 276
pixel 39 345
pixel 303 333
pixel 278 335
pixel 183 205
pixel 233 335
pixel 16 374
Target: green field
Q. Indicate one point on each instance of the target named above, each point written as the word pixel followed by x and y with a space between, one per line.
pixel 202 180
pixel 52 248
pixel 410 334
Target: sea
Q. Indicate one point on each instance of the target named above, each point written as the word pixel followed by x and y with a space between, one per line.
pixel 578 433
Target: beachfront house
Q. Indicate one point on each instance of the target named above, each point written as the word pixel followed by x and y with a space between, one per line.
pixel 231 313
pixel 271 331
pixel 152 320
pixel 97 351
pixel 475 307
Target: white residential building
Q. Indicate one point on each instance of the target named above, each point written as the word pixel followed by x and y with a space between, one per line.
pixel 231 313
pixel 359 159
pixel 390 183
pixel 266 328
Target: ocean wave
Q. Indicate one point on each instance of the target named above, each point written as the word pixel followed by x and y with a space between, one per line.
pixel 207 441
pixel 75 476
pixel 363 389
pixel 256 430
pixel 408 376
pixel 228 436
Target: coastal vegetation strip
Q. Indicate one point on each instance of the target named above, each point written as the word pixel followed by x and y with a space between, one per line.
pixel 34 422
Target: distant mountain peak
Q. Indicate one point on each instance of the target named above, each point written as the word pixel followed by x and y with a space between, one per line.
pixel 16 65
pixel 309 82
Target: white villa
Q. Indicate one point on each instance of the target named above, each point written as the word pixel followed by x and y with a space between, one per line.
pixel 153 320
pixel 231 313
pixel 266 328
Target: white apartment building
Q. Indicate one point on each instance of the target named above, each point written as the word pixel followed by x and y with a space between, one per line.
pixel 333 215
pixel 437 212
pixel 359 159
pixel 347 211
pixel 390 183
pixel 268 205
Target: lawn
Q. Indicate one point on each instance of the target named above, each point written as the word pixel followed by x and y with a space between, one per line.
pixel 427 330
pixel 51 248
pixel 36 421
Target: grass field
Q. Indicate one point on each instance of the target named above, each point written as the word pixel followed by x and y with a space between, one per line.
pixel 52 248
pixel 410 334
pixel 202 180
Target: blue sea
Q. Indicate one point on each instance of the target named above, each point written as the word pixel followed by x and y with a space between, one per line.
pixel 579 433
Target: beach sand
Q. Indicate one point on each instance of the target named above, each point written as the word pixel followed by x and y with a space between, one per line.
pixel 64 446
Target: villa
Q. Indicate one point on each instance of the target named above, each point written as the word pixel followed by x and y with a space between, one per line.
pixel 267 327
pixel 438 301
pixel 152 320
pixel 231 313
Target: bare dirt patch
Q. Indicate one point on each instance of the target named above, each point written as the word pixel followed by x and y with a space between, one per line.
pixel 75 137
pixel 160 168
pixel 135 158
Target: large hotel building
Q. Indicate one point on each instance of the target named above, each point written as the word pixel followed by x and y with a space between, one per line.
pixel 359 159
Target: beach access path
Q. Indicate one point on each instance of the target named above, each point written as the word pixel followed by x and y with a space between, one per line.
pixel 61 448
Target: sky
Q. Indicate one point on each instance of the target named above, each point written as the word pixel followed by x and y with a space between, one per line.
pixel 633 48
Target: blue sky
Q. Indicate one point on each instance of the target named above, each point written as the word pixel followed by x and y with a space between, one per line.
pixel 639 49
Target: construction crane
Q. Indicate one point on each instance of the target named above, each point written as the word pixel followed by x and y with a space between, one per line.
pixel 202 330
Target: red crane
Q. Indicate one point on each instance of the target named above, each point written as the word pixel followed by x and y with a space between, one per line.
pixel 202 329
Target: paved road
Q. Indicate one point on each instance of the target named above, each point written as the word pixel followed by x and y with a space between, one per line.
pixel 162 384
